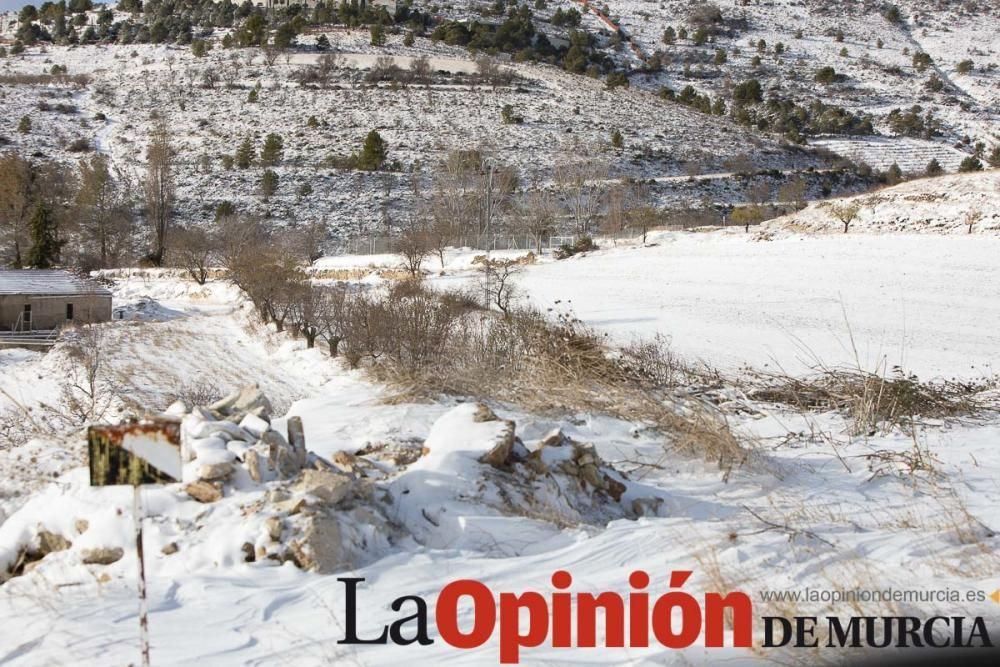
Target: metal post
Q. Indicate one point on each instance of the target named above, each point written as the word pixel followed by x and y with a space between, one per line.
pixel 143 611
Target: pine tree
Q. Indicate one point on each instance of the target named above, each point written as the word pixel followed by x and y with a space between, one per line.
pixel 268 184
pixel 245 154
pixel 378 34
pixel 373 153
pixel 44 251
pixel 270 155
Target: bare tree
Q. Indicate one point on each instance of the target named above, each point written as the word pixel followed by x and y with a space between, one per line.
pixel 420 70
pixel 846 214
pixel 414 246
pixel 537 215
pixel 972 217
pixel 271 54
pixel 581 179
pixel 195 250
pixel 331 312
pixel 159 189
pixel 104 210
pixel 90 387
pixel 497 282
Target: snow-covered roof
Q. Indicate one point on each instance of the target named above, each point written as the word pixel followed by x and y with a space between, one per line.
pixel 47 282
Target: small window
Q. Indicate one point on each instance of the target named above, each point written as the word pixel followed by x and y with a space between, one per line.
pixel 69 311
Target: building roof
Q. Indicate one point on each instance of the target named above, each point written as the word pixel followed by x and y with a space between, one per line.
pixel 45 282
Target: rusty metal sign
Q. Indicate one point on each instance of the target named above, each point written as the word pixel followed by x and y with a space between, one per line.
pixel 143 452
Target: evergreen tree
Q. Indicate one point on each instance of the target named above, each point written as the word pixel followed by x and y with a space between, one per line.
pixel 44 251
pixel 378 34
pixel 373 153
pixel 616 139
pixel 268 184
pixel 270 155
pixel 245 154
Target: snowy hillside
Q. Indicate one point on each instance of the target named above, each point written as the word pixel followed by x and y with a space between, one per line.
pixel 955 204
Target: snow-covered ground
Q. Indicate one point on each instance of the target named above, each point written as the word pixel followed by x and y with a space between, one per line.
pixel 797 514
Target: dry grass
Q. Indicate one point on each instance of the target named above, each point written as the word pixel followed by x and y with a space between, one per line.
pixel 442 344
pixel 877 402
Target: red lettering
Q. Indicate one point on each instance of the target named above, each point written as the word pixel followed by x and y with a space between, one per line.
pixel 511 639
pixel 484 613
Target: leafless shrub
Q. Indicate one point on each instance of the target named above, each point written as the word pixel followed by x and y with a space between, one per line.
pixel 879 401
pixel 90 388
pixel 75 80
pixel 196 393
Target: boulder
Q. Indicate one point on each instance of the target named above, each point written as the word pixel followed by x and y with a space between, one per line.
pixel 204 491
pixel 273 526
pixel 320 549
pixel 254 425
pixel 252 461
pixel 169 549
pixel 102 555
pixel 325 485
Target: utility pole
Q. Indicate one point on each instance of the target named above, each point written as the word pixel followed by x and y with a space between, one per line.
pixel 488 170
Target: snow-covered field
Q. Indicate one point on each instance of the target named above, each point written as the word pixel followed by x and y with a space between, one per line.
pixel 796 514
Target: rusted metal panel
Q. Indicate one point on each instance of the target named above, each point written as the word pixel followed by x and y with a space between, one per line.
pixel 134 453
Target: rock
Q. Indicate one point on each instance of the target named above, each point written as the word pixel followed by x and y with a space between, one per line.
pixel 203 491
pixel 647 506
pixel 212 471
pixel 246 400
pixel 344 461
pixel 176 409
pixel 104 578
pixel 291 507
pixel 51 542
pixel 553 438
pixel 169 549
pixel 81 526
pixel 320 548
pixel 254 425
pixel 483 414
pixel 102 555
pixel 614 488
pixel 273 526
pixel 285 460
pixel 500 455
pixel 328 486
pixel 252 461
pixel 249 553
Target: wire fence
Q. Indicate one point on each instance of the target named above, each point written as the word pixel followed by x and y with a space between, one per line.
pixel 385 245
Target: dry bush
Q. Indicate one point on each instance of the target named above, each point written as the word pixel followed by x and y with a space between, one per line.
pixel 20 79
pixel 877 402
pixel 428 344
pixel 197 393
